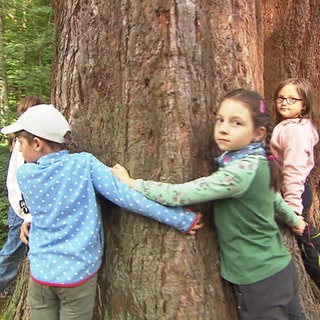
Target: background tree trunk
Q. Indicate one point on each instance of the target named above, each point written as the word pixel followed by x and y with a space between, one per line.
pixel 292 49
pixel 291 42
pixel 139 81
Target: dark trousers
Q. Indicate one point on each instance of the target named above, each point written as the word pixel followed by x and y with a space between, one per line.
pixel 309 242
pixel 274 298
pixel 307 198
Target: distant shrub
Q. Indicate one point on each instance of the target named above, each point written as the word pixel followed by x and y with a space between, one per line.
pixel 4 157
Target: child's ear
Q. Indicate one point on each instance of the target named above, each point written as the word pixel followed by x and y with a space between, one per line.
pixel 37 143
pixel 260 134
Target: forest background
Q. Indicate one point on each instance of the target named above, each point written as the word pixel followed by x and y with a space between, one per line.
pixel 139 82
pixel 26 47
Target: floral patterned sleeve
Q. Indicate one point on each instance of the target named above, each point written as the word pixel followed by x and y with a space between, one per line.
pixel 230 181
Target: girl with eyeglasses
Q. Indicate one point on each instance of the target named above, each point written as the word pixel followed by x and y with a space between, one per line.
pixel 293 140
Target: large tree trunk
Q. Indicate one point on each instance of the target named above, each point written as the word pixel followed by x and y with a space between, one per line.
pixel 139 81
pixel 142 93
pixel 291 42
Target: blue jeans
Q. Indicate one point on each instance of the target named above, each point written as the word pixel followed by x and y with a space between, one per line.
pixel 12 252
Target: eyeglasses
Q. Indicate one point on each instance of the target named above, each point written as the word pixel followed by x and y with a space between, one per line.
pixel 289 100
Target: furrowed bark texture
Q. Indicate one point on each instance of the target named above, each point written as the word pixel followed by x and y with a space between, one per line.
pixel 292 49
pixel 144 81
pixel 139 82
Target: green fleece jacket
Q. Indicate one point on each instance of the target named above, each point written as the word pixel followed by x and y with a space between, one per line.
pixel 250 242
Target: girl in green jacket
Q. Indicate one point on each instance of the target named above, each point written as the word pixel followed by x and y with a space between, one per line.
pixel 245 194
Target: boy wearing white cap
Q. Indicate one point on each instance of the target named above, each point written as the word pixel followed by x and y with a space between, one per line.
pixel 66 237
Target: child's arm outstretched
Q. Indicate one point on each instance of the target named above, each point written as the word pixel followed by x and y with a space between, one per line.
pixel 285 213
pixel 228 182
pixel 106 184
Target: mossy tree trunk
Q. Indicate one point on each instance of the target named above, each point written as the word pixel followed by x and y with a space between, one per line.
pixel 139 82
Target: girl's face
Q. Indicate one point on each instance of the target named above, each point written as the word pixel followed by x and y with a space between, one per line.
pixel 289 103
pixel 234 128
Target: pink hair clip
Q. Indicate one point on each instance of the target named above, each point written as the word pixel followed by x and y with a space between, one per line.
pixel 262 106
pixel 271 157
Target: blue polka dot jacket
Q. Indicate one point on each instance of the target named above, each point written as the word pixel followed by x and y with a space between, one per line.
pixel 66 237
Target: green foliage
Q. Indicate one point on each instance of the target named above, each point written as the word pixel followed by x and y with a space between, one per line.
pixel 4 157
pixel 28 39
pixel 28 46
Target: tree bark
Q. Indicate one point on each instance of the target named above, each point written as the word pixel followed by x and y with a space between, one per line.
pixel 292 49
pixel 152 73
pixel 291 41
pixel 139 82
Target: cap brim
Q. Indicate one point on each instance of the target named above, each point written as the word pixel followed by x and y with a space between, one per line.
pixel 11 128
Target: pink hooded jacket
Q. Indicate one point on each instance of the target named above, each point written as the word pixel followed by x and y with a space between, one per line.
pixel 292 145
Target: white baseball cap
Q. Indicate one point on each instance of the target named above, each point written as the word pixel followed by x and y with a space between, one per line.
pixel 43 121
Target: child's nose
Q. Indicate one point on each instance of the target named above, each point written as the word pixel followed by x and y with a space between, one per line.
pixel 224 128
